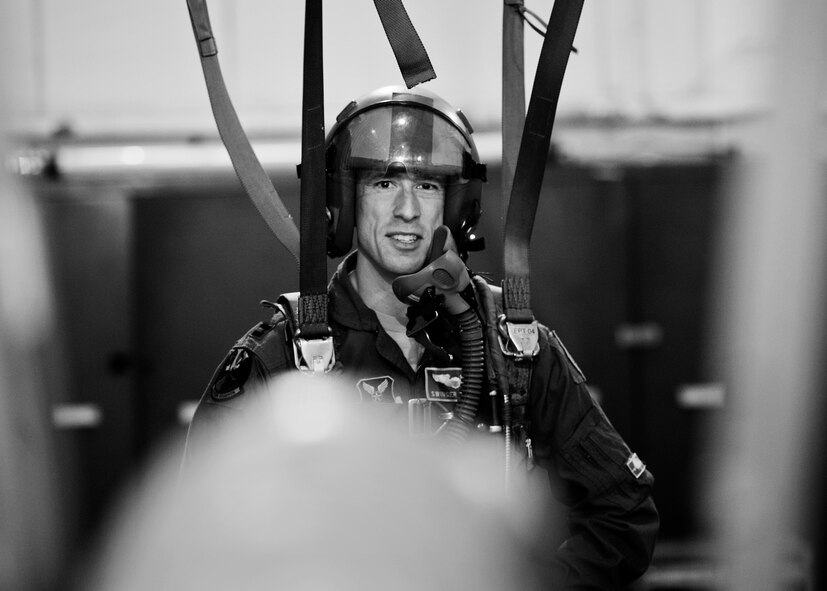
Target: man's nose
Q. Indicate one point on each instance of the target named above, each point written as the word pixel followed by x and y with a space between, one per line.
pixel 406 204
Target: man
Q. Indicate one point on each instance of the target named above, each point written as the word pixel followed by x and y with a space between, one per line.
pixel 401 166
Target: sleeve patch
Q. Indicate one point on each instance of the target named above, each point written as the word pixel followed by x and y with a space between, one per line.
pixel 635 465
pixel 234 374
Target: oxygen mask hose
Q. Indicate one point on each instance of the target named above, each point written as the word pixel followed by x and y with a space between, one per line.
pixel 473 372
pixel 446 274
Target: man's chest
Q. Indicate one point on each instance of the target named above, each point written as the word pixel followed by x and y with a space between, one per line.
pixel 379 372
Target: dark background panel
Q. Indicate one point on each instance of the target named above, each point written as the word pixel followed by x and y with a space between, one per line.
pixel 90 246
pixel 203 262
pixel 674 210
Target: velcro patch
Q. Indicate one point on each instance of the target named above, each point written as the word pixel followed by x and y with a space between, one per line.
pixel 378 389
pixel 635 465
pixel 442 384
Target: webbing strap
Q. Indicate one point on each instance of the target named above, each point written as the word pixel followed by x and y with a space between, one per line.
pixel 251 174
pixel 313 265
pixel 513 94
pixel 407 47
pixel 533 154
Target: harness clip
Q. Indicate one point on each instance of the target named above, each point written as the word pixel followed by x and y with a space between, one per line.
pixel 313 356
pixel 521 341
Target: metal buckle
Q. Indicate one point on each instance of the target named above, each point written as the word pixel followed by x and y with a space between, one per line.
pixel 521 341
pixel 313 356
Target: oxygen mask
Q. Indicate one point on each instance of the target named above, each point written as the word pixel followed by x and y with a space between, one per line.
pixel 444 273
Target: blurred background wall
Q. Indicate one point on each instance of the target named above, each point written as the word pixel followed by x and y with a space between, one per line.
pixel 117 67
pixel 159 261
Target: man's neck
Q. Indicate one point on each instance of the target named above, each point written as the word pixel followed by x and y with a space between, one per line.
pixel 375 290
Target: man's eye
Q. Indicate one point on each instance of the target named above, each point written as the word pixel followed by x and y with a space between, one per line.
pixel 429 186
pixel 383 184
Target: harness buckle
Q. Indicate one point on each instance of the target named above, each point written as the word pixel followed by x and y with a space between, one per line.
pixel 313 356
pixel 518 340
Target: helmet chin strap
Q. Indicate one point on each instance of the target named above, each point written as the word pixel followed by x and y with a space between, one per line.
pixel 444 271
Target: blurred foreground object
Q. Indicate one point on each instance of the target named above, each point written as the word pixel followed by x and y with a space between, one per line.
pixel 771 319
pixel 307 492
pixel 31 534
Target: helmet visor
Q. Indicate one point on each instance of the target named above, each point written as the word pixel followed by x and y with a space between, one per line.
pixel 394 136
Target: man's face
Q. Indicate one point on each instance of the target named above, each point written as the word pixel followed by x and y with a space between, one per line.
pixel 396 215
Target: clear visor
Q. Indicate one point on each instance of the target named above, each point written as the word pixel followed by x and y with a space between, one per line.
pixel 396 136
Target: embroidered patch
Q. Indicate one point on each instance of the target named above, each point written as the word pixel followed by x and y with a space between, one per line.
pixel 442 384
pixel 235 373
pixel 635 465
pixel 379 389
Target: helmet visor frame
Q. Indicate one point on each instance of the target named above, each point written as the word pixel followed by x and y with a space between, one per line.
pixel 401 136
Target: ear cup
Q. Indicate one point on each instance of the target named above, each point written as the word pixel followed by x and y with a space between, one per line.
pixel 341 200
pixel 462 211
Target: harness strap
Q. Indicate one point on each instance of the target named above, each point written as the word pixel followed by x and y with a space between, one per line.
pixel 313 268
pixel 513 380
pixel 513 93
pixel 510 377
pixel 497 372
pixel 248 168
pixel 531 162
pixel 518 376
pixel 287 304
pixel 407 46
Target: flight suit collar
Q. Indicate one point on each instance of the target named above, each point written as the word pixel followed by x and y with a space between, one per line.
pixel 346 306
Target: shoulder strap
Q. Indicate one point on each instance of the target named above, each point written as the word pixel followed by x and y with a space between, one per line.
pixel 513 93
pixel 312 308
pixel 533 154
pixel 407 47
pixel 511 375
pixel 248 168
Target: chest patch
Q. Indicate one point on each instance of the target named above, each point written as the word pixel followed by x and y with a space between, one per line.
pixel 442 384
pixel 379 389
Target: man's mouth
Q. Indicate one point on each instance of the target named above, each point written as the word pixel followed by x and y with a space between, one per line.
pixel 404 238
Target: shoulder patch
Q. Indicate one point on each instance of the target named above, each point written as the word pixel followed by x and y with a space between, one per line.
pixel 576 372
pixel 234 374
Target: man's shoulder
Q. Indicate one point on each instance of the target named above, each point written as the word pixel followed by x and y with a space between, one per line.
pixel 262 351
pixel 549 341
pixel 567 358
pixel 268 340
pixel 486 290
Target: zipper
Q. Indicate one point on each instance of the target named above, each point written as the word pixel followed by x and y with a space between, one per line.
pixel 529 450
